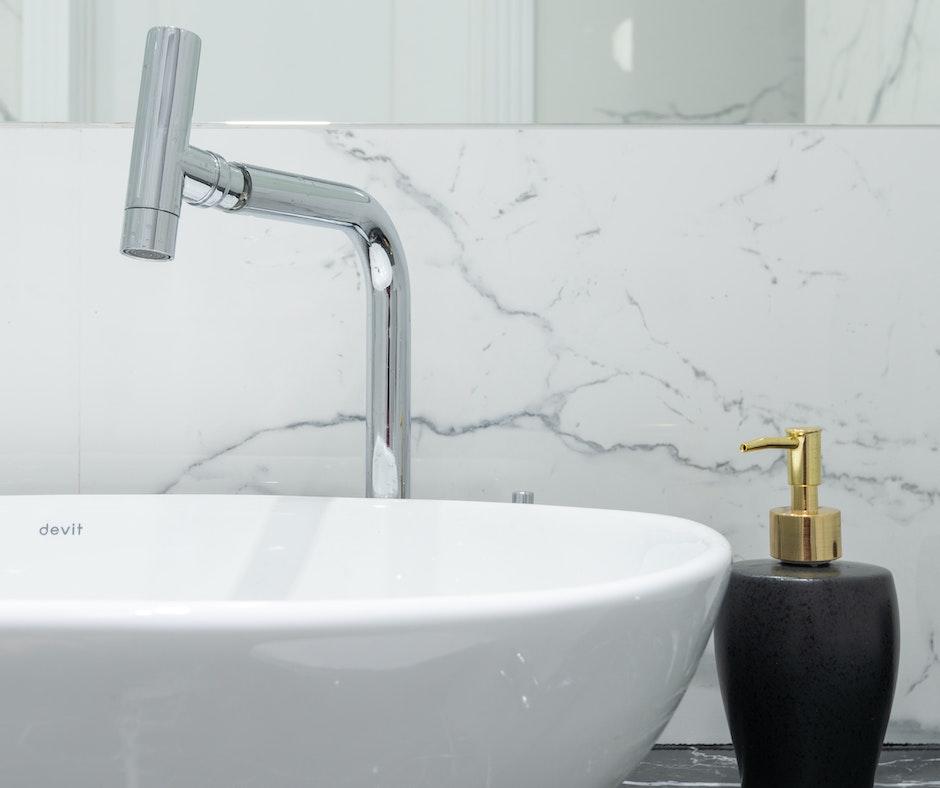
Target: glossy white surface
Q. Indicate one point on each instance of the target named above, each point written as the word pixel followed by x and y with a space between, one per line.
pixel 221 641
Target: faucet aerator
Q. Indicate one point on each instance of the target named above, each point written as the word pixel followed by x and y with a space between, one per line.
pixel 146 254
pixel 149 234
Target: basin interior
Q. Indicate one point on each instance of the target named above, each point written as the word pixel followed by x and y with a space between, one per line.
pixel 219 548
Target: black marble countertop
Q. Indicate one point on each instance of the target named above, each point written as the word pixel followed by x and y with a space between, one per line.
pixel 714 767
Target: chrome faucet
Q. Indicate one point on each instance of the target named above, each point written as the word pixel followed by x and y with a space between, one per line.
pixel 165 169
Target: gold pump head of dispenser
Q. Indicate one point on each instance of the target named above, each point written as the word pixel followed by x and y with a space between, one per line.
pixel 803 532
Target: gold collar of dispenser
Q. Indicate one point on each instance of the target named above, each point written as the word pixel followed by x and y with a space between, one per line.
pixel 804 532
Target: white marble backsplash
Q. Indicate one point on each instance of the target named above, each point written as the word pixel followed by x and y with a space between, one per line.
pixel 600 315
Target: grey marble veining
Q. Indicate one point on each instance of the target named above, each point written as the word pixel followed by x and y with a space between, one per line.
pixel 698 767
pixel 872 61
pixel 600 316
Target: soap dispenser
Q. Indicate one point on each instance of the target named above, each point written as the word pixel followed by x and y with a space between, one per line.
pixel 807 644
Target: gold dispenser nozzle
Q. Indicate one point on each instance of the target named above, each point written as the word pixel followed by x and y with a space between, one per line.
pixel 803 532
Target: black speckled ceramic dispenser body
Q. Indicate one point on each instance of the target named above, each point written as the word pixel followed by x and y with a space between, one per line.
pixel 807 659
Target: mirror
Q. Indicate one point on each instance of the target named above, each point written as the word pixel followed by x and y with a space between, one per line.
pixel 485 61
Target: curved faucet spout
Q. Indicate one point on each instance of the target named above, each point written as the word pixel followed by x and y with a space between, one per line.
pixel 165 169
pixel 284 195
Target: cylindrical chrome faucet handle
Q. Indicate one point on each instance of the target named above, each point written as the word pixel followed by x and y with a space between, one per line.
pixel 523 496
pixel 161 137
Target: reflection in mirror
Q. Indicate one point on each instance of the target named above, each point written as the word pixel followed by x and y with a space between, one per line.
pixel 670 61
pixel 486 61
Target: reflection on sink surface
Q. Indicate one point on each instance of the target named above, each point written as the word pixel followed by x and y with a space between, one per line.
pixel 223 641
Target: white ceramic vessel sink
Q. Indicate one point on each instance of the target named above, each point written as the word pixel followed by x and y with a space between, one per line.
pixel 272 642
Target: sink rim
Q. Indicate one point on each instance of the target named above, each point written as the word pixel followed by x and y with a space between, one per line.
pixel 335 615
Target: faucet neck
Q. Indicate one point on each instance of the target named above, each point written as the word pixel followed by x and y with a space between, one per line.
pixel 211 181
pixel 388 336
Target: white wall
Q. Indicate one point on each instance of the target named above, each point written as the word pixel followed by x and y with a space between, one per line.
pixel 599 316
